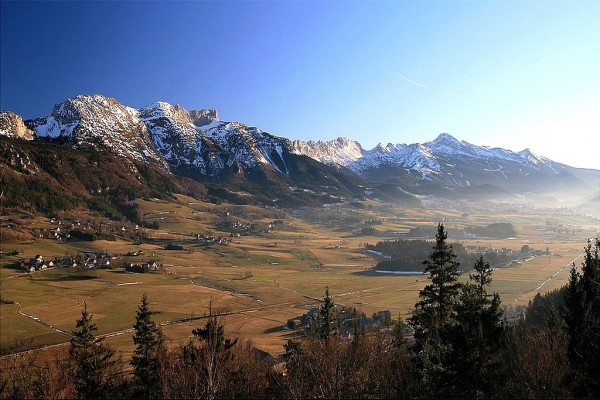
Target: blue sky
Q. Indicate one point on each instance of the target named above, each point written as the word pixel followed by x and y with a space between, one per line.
pixel 512 74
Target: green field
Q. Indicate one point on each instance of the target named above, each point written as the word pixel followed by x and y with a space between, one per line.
pixel 260 280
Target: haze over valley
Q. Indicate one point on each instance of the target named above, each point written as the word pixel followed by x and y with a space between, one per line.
pixel 299 200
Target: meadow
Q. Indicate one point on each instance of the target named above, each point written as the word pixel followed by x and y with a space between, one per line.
pixel 259 279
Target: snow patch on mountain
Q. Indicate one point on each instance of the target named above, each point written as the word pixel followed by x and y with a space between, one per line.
pixel 197 142
pixel 340 151
pixel 100 122
pixel 437 157
pixel 249 146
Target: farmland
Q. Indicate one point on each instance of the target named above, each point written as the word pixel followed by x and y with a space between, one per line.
pixel 259 267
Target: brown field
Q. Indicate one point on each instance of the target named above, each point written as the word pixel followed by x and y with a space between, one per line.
pixel 260 280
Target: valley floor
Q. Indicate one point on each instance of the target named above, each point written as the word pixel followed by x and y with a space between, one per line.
pixel 258 279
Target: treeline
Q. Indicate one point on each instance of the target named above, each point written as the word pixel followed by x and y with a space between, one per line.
pixel 455 345
pixel 408 255
pixel 500 230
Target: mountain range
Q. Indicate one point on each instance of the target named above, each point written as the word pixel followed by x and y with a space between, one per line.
pixel 239 162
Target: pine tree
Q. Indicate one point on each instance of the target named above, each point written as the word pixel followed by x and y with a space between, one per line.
pixel 96 374
pixel 213 333
pixel 213 355
pixel 435 313
pixel 582 319
pixel 476 335
pixel 327 320
pixel 149 340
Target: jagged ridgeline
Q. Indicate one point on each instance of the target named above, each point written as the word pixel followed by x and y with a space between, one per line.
pixel 242 164
pixel 92 150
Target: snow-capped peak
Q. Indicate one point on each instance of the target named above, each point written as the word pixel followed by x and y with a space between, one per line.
pixel 198 141
pixel 99 121
pixel 531 156
pixel 339 151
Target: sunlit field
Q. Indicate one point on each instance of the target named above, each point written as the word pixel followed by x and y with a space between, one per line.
pixel 258 281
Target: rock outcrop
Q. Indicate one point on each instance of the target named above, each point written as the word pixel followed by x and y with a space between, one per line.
pixel 12 125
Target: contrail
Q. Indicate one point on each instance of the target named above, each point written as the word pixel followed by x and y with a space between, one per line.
pixel 413 82
pixel 458 90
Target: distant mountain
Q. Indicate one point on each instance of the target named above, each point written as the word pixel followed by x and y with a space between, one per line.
pixel 447 165
pixel 235 162
pixel 340 151
pixel 101 123
pixel 241 163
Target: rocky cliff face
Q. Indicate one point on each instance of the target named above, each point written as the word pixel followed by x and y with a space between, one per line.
pixel 100 122
pixel 239 162
pixel 178 139
pixel 342 151
pixel 12 125
pixel 169 135
pixel 204 117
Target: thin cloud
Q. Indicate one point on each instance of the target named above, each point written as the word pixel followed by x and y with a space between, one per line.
pixel 413 82
pixel 458 90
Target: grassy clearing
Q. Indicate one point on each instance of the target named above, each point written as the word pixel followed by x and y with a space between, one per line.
pixel 20 333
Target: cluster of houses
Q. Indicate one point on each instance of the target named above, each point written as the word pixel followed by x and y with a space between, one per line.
pixel 348 320
pixel 210 239
pixel 86 259
pixel 96 259
pixel 237 228
pixel 75 229
pixel 485 249
pixel 36 263
pixel 140 268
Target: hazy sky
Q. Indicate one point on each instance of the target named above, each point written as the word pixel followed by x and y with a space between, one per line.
pixel 512 74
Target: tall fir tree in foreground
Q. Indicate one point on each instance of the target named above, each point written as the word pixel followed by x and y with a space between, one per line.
pixel 435 314
pixel 476 336
pixel 582 319
pixel 149 340
pixel 96 373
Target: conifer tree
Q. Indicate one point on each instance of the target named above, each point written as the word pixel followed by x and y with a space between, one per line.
pixel 327 321
pixel 476 335
pixel 213 333
pixel 435 313
pixel 95 372
pixel 213 355
pixel 582 319
pixel 149 340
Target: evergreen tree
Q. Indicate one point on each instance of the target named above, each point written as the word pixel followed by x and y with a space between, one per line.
pixel 213 355
pixel 95 372
pixel 582 319
pixel 327 320
pixel 476 335
pixel 149 340
pixel 213 333
pixel 435 313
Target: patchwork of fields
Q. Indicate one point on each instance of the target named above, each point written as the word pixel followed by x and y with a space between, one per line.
pixel 259 279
